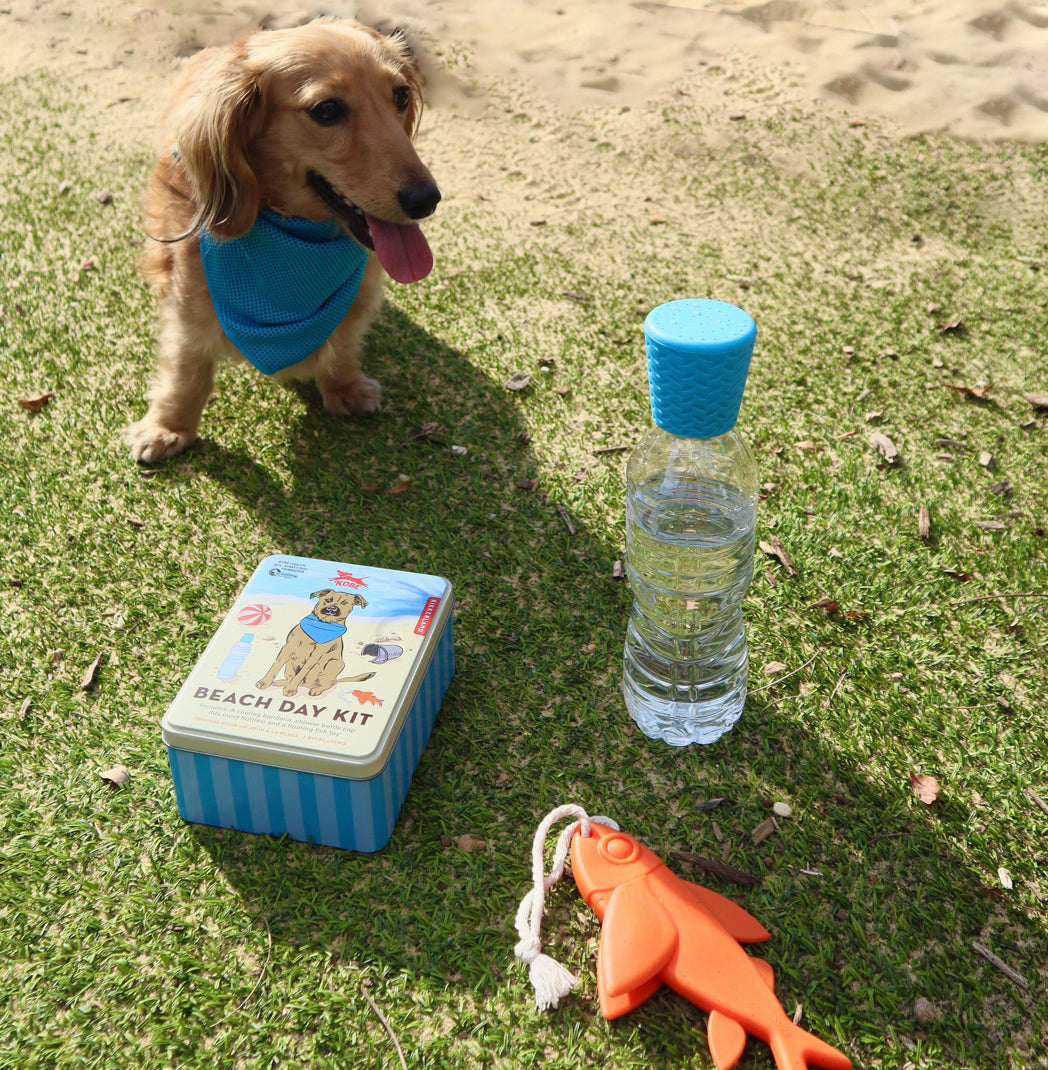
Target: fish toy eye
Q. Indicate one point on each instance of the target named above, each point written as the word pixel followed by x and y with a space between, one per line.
pixel 619 849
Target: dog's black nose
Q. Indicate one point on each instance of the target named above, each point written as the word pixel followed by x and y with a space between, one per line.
pixel 419 200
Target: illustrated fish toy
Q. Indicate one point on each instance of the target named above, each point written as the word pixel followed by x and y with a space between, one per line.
pixel 660 929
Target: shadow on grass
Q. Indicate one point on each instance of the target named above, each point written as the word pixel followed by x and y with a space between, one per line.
pixel 868 903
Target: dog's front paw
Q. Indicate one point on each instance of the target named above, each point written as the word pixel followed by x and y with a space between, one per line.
pixel 150 442
pixel 356 398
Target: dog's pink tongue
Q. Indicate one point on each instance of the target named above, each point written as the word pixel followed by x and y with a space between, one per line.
pixel 402 250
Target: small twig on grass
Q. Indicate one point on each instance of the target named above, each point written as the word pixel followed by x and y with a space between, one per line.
pixel 568 522
pixel 1037 800
pixel 792 672
pixel 998 594
pixel 837 686
pixel 384 1020
pixel 262 973
pixel 716 867
pixel 1003 966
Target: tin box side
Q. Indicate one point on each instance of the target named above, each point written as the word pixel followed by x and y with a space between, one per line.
pixel 353 814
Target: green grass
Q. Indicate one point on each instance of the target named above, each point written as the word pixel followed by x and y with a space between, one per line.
pixel 130 939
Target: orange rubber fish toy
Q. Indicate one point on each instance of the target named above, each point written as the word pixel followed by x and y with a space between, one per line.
pixel 659 929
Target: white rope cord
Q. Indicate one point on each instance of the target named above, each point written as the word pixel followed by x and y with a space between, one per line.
pixel 550 980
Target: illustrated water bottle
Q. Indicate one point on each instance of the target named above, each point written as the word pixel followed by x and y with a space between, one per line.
pixel 691 505
pixel 235 658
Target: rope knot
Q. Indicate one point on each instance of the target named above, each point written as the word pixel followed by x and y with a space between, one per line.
pixel 528 949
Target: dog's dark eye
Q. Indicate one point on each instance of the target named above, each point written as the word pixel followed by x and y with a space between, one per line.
pixel 401 97
pixel 328 112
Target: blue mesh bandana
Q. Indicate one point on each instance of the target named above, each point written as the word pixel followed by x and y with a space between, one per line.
pixel 281 289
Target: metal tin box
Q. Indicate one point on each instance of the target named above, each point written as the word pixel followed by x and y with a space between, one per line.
pixel 308 711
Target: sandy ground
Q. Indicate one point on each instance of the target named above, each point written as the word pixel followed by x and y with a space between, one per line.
pixel 970 68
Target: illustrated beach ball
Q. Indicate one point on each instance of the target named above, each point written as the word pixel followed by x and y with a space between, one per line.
pixel 254 615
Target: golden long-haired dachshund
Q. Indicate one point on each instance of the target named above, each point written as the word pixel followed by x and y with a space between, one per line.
pixel 285 182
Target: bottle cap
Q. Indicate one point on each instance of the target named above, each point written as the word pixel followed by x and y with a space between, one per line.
pixel 698 358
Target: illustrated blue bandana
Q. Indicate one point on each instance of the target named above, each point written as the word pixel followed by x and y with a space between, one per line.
pixel 281 289
pixel 322 631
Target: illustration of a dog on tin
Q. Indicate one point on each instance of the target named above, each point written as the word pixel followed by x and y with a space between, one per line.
pixel 312 654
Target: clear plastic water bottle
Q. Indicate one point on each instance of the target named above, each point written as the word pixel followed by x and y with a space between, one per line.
pixel 691 506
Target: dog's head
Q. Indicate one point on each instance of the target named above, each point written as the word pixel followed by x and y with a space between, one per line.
pixel 335 606
pixel 316 122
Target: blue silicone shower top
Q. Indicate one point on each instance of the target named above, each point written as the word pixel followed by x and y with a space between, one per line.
pixel 698 358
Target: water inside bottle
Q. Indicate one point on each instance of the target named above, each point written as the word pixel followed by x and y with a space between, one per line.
pixel 690 559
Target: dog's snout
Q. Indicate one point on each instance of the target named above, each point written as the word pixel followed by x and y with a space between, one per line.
pixel 420 199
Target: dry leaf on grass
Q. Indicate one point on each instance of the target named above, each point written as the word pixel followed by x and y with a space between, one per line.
pixel 958 575
pixel 774 548
pixel 827 603
pixel 977 392
pixel 925 787
pixel 924 1011
pixel 91 673
pixel 774 667
pixel 1038 401
pixel 35 404
pixel 517 381
pixel 884 446
pixel 427 430
pixel 397 488
pixel 119 774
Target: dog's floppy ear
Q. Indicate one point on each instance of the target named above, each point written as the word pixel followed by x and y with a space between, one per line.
pixel 360 600
pixel 213 130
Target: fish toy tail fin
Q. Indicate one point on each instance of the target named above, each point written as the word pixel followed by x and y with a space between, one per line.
pixel 797 1049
